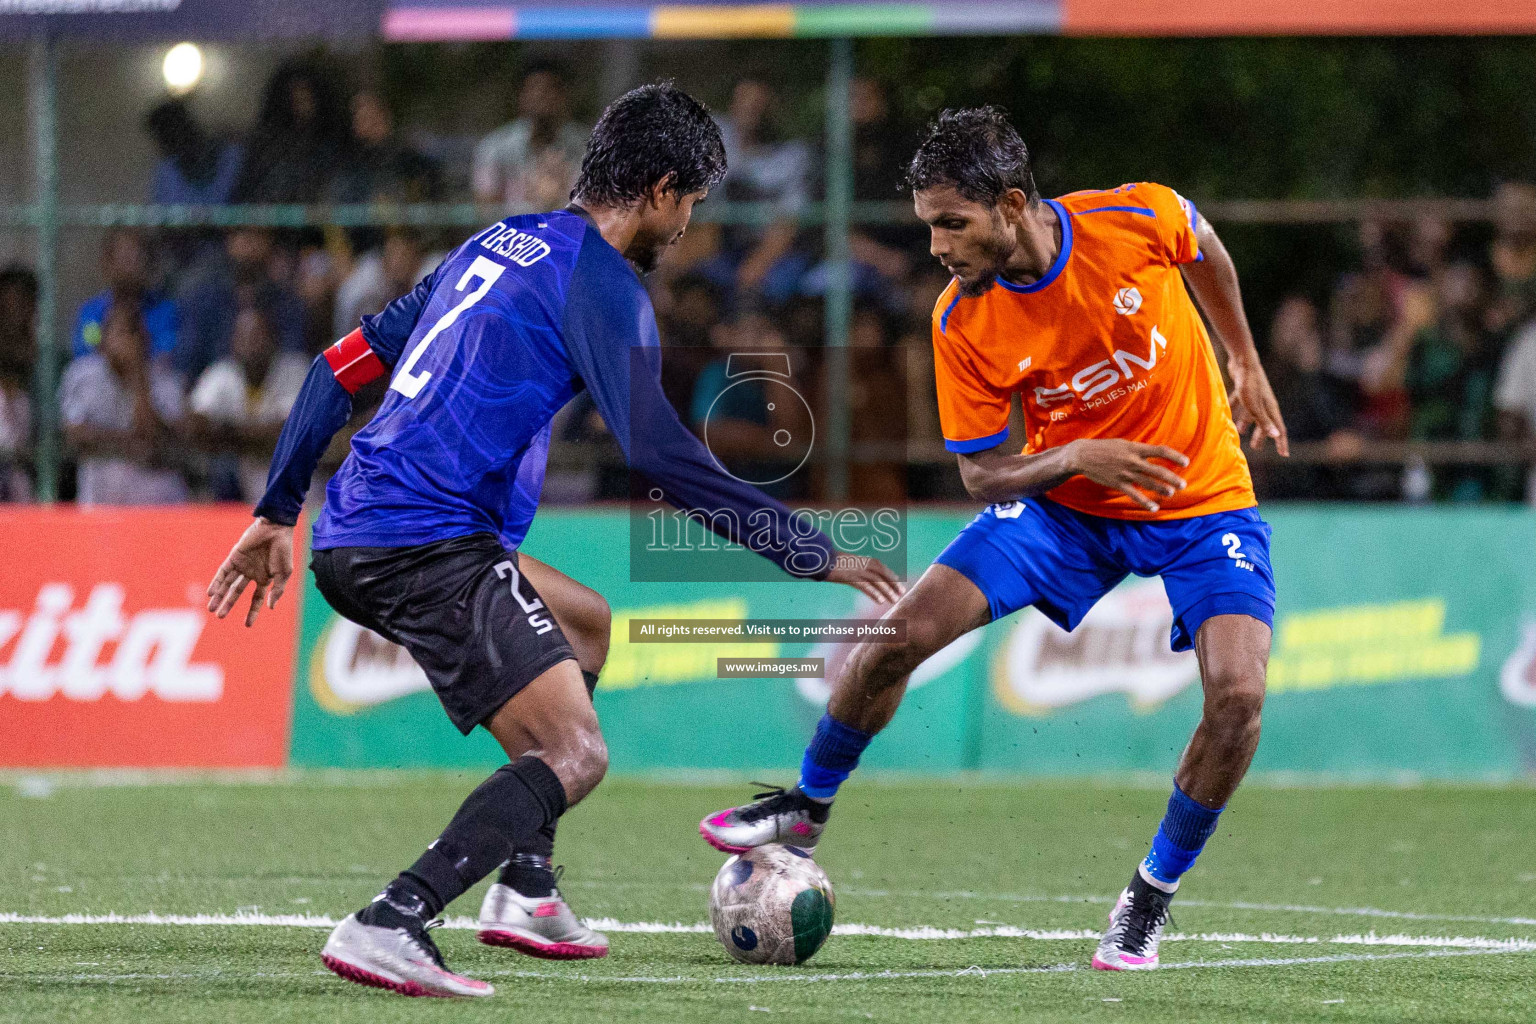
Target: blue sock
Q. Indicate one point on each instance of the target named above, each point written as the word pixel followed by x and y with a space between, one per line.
pixel 1181 836
pixel 831 757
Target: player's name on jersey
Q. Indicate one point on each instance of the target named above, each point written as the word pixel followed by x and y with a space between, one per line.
pixel 697 631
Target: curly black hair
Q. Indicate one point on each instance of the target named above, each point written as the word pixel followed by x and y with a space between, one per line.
pixel 975 151
pixel 644 136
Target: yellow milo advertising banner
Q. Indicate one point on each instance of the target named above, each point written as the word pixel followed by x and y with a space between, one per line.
pixel 1405 643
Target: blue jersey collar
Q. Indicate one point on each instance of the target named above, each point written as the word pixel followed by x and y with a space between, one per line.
pixel 1061 257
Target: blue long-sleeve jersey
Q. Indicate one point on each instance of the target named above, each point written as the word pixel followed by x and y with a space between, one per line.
pixel 481 355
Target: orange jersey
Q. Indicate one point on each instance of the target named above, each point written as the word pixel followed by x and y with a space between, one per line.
pixel 1108 344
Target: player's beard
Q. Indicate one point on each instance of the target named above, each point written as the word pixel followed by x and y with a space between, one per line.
pixel 644 254
pixel 644 258
pixel 993 257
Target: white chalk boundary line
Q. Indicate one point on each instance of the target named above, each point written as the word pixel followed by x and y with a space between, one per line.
pixel 1278 908
pixel 919 933
pixel 804 976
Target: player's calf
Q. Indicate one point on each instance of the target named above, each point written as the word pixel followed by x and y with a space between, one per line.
pixel 1233 651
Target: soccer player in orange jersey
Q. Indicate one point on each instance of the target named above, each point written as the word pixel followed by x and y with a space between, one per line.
pixel 1132 463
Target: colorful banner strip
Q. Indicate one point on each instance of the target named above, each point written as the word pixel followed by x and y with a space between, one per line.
pixel 425 20
pixel 442 20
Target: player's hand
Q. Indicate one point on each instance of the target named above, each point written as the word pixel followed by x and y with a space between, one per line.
pixel 1127 467
pixel 870 576
pixel 264 556
pixel 1253 405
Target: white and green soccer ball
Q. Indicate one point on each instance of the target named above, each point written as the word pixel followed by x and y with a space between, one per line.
pixel 771 905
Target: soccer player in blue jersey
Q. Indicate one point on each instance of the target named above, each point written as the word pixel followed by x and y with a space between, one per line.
pixel 419 535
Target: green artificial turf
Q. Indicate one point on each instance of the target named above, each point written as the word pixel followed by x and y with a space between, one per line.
pixel 1309 863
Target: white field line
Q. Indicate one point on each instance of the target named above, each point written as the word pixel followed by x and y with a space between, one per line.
pixel 986 972
pixel 919 933
pixel 968 894
pixel 805 976
pixel 1279 908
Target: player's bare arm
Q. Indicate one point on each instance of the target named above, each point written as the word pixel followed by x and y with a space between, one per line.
pixel 1130 467
pixel 1214 283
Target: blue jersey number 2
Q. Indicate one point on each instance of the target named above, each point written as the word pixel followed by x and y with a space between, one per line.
pixel 409 383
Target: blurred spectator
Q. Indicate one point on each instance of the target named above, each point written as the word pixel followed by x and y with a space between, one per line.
pixel 239 404
pixel 877 407
pixel 1316 406
pixel 195 168
pixel 1428 240
pixel 764 168
pixel 1363 306
pixel 299 140
pixel 379 278
pixel 880 252
pixel 381 168
pixel 532 162
pixel 691 312
pixel 122 413
pixel 244 272
pixel 18 352
pixel 125 267
pixel 748 433
pixel 1363 309
pixel 1515 396
pixel 1442 359
pixel 1513 257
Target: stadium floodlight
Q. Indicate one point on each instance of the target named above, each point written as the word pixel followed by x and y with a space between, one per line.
pixel 183 67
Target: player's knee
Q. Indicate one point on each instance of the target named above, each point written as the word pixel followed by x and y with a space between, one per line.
pixel 584 762
pixel 874 667
pixel 1235 702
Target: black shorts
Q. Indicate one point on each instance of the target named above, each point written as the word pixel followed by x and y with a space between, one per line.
pixel 460 607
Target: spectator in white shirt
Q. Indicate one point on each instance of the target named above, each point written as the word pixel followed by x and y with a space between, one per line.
pixel 531 163
pixel 122 415
pixel 1515 395
pixel 240 402
pixel 379 278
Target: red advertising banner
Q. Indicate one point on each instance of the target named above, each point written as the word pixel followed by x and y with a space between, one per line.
pixel 1295 17
pixel 108 657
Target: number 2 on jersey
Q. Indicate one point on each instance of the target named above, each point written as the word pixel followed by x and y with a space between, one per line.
pixel 409 383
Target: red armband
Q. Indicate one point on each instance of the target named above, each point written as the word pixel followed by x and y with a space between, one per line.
pixel 353 362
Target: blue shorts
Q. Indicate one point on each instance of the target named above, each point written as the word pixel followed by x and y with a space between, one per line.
pixel 1036 552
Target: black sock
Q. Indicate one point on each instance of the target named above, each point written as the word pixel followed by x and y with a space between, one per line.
pixel 503 814
pixel 529 874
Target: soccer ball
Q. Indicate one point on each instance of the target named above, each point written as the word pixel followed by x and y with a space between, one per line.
pixel 771 905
